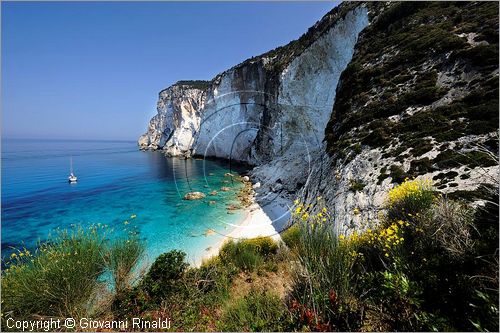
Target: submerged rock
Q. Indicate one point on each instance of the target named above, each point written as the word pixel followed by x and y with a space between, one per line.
pixel 194 196
pixel 213 192
pixel 225 188
pixel 209 232
pixel 232 207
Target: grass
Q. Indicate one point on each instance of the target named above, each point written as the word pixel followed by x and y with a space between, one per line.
pixel 63 277
pixel 256 312
pixel 291 236
pixel 121 258
pixel 248 254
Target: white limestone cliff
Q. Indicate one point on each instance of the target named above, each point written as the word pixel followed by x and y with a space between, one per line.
pixel 271 112
pixel 178 118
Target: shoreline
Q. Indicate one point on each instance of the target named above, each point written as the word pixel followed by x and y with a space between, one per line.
pixel 256 223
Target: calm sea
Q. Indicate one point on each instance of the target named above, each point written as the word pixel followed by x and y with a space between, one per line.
pixel 115 182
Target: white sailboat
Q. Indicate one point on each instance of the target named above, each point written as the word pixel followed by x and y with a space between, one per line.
pixel 72 178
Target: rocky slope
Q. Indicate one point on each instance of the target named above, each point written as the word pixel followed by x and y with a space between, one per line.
pixel 369 95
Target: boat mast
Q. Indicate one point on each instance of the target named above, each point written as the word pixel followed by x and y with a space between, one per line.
pixel 71 165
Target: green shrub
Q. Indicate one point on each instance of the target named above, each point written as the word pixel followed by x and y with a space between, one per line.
pixel 248 254
pixel 265 246
pixel 399 297
pixel 242 255
pixel 323 285
pixel 121 258
pixel 397 174
pixel 258 311
pixel 163 276
pixel 356 185
pixel 409 199
pixel 291 236
pixel 63 278
pixel 450 225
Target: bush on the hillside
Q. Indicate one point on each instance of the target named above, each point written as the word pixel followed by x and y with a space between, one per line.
pixel 165 273
pixel 322 290
pixel 63 277
pixel 450 224
pixel 258 311
pixel 409 198
pixel 248 254
pixel 291 236
pixel 431 264
pixel 265 246
pixel 121 258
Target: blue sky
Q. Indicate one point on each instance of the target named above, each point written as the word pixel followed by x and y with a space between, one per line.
pixel 94 70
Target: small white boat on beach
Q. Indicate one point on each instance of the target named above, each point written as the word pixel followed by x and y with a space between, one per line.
pixel 72 178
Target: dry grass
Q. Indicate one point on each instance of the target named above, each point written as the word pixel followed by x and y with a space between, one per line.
pixel 279 282
pixel 450 223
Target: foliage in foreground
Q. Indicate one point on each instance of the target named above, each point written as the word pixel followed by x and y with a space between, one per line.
pixel 202 298
pixel 431 264
pixel 64 277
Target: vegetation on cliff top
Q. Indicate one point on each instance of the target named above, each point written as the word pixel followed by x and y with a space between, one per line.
pixel 195 84
pixel 412 55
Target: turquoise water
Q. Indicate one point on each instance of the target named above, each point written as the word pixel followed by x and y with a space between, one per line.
pixel 115 182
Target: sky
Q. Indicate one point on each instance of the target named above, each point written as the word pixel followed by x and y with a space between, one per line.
pixel 93 70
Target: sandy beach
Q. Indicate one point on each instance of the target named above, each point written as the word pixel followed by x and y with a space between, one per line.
pixel 256 223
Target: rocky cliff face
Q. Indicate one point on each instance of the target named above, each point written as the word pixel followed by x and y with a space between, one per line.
pixel 370 94
pixel 420 100
pixel 179 112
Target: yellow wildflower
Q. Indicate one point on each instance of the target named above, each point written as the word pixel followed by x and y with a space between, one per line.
pixel 408 188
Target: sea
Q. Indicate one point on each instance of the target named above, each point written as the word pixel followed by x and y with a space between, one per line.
pixel 120 189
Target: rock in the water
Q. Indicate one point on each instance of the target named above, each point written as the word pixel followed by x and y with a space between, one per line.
pixel 246 178
pixel 212 202
pixel 225 189
pixel 194 196
pixel 232 207
pixel 228 174
pixel 256 185
pixel 213 192
pixel 209 232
